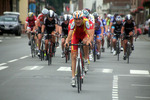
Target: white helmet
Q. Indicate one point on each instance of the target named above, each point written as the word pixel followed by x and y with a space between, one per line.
pixel 44 11
pixel 128 17
pixel 109 15
pixel 51 13
pixel 118 18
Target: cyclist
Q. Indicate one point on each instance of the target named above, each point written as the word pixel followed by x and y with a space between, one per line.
pixel 104 26
pixel 116 28
pixel 127 29
pixel 39 23
pixel 107 27
pixel 79 30
pixel 50 26
pixel 92 23
pixel 58 21
pixel 30 24
pixel 98 31
pixel 64 32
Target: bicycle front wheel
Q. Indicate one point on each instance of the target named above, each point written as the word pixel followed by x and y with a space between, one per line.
pixel 79 76
pixel 49 54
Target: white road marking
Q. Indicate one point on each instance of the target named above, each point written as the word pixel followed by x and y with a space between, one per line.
pixel 139 85
pixel 32 68
pixel 3 67
pixel 13 60
pixel 115 95
pixel 23 57
pixel 145 72
pixel 64 69
pixel 139 97
pixel 103 70
pixel 3 64
pixel 18 37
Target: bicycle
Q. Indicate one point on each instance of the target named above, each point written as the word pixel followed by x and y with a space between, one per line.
pixel 51 49
pixel 33 44
pixel 128 48
pixel 117 45
pixel 79 65
pixel 95 50
pixel 42 49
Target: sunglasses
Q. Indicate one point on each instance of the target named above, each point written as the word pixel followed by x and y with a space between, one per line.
pixel 78 18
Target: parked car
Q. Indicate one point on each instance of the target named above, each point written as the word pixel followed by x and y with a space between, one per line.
pixel 10 23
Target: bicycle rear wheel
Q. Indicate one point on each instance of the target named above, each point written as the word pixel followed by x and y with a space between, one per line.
pixel 94 52
pixel 118 50
pixel 32 48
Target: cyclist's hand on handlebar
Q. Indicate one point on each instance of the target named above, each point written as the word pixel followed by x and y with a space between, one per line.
pixel 88 43
pixel 66 44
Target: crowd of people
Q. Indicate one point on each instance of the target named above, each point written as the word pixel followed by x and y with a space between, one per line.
pixel 83 26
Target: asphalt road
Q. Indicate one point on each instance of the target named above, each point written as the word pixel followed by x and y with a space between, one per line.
pixel 25 78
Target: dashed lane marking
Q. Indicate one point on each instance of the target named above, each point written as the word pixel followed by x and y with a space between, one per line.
pixel 64 69
pixel 3 67
pixel 23 57
pixel 144 72
pixel 32 68
pixel 3 64
pixel 13 60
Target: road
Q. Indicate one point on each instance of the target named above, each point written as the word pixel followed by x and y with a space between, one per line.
pixel 25 78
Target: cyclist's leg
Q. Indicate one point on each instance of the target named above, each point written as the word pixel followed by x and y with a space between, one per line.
pixel 103 41
pixel 131 39
pixel 125 47
pixel 39 37
pixel 98 40
pixel 114 44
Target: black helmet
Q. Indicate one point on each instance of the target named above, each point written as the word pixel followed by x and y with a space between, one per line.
pixel 65 17
pixel 128 17
pixel 51 13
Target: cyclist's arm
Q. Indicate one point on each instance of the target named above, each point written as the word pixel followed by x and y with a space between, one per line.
pixel 135 29
pixel 111 23
pixel 60 30
pixel 102 31
pixel 57 28
pixel 43 28
pixel 70 35
pixel 122 29
pixel 112 29
pixel 25 26
pixel 37 22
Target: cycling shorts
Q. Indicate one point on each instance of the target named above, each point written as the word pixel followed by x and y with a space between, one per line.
pixel 76 39
pixel 98 37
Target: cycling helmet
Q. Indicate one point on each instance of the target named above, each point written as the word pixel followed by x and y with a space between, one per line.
pixel 95 14
pixel 85 13
pixel 51 13
pixel 78 14
pixel 116 15
pixel 128 17
pixel 109 15
pixel 87 9
pixel 30 14
pixel 44 11
pixel 65 17
pixel 118 18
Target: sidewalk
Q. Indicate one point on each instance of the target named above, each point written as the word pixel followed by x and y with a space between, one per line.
pixel 144 37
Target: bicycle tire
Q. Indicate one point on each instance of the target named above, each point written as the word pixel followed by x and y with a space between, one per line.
pixel 49 55
pixel 32 48
pixel 118 50
pixel 78 76
pixel 94 52
pixel 66 56
pixel 128 52
pixel 41 52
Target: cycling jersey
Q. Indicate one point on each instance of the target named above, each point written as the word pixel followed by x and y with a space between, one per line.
pixel 117 28
pixel 98 24
pixel 64 29
pixel 107 21
pixel 41 18
pixel 79 32
pixel 31 23
pixel 91 18
pixel 128 27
